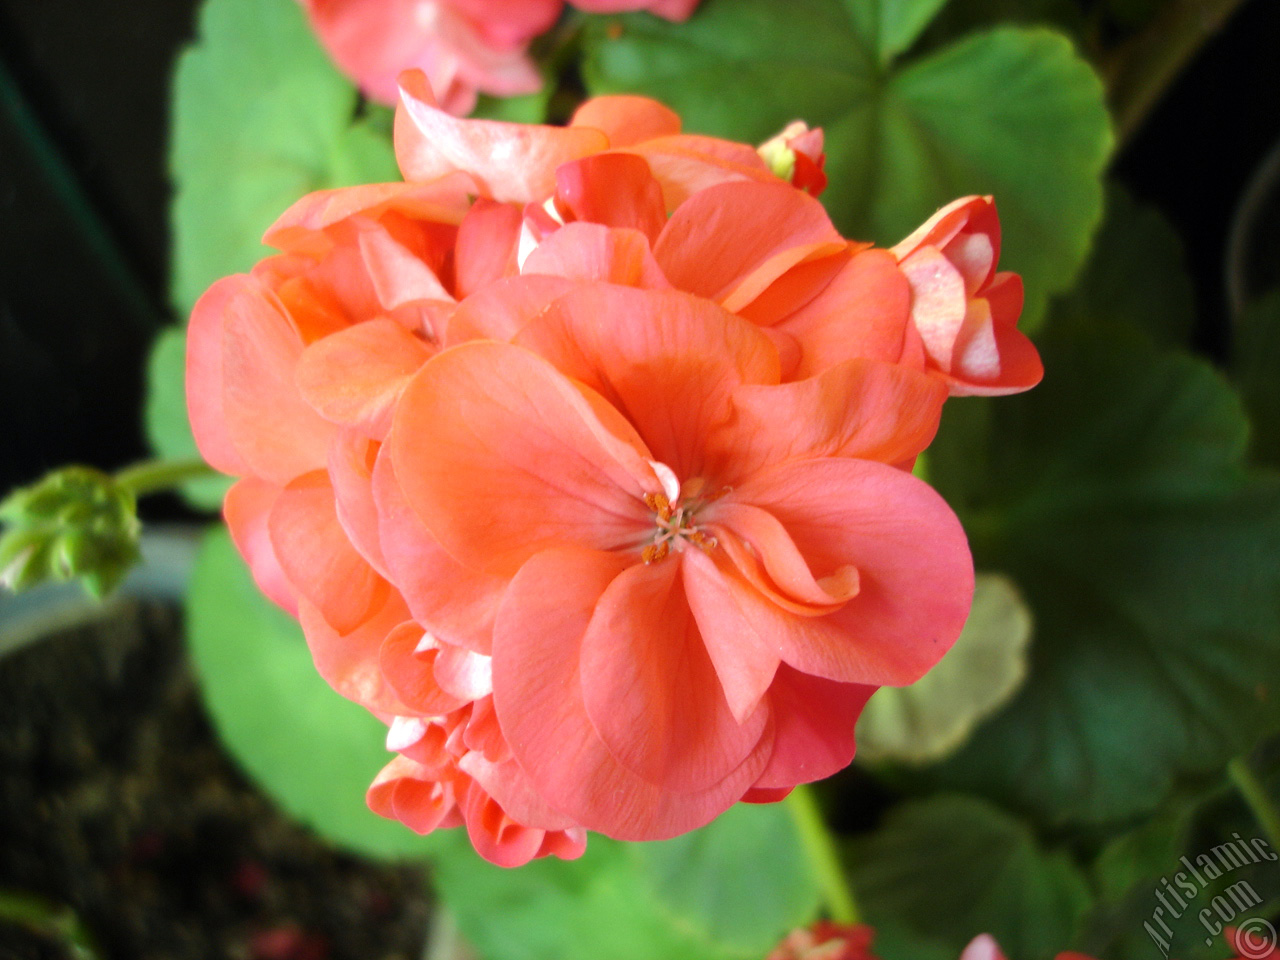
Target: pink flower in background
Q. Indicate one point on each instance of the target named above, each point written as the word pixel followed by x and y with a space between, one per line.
pixel 677 10
pixel 464 47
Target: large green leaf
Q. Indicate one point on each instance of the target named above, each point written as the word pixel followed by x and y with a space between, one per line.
pixel 165 416
pixel 312 751
pixel 1115 493
pixel 951 867
pixel 1010 112
pixel 260 118
pixel 727 892
pixel 1136 276
pixel 890 26
pixel 932 717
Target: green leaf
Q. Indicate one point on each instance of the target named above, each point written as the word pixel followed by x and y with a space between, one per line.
pixel 1136 276
pixel 165 416
pixel 308 748
pixel 260 118
pixel 1009 112
pixel 742 882
pixel 729 891
pixel 891 26
pixel 951 867
pixel 935 715
pixel 1257 371
pixel 1115 493
pixel 1142 855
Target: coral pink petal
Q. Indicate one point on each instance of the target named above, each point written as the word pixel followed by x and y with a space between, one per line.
pixel 677 10
pixel 317 557
pixel 627 120
pixel 508 161
pixel 589 252
pixel 767 795
pixel 277 434
pixel 404 791
pixel 351 459
pixel 566 844
pixel 938 302
pixel 246 508
pixel 915 571
pixel 537 690
pixel 947 223
pixel 349 661
pixel 497 837
pixel 301 228
pixel 1018 366
pixel 484 733
pixel 501 310
pixel 774 565
pixel 668 361
pixel 399 275
pixel 205 376
pixel 650 687
pixel 722 234
pixel 510 786
pixel 411 674
pixel 464 673
pixel 513 22
pixel 683 165
pixel 776 266
pixel 814 722
pixel 614 189
pixel 501 457
pixel 863 311
pixel 457 604
pixel 486 246
pixel 354 377
pixel 859 408
pixel 744 660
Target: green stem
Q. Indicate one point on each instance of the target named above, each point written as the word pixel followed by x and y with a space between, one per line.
pixel 155 476
pixel 1255 795
pixel 819 846
pixel 1138 73
pixel 51 920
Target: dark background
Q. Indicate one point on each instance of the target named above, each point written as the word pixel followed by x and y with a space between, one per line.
pixel 83 201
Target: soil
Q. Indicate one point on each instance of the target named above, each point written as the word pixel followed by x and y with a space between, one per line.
pixel 117 802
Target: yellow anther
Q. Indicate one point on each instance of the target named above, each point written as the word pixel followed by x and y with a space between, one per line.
pixel 655 552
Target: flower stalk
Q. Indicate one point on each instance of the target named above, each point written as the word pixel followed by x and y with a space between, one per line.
pixel 824 861
pixel 1256 798
pixel 158 476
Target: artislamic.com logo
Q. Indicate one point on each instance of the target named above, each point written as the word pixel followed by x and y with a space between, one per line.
pixel 1178 897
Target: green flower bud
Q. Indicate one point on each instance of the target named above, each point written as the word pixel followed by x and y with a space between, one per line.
pixel 76 522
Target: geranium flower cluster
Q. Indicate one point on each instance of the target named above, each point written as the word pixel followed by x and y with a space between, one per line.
pixel 464 47
pixel 583 457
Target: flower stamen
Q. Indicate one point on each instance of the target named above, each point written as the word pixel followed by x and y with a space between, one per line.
pixel 675 526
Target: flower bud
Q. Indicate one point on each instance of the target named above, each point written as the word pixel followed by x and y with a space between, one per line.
pixel 795 155
pixel 76 522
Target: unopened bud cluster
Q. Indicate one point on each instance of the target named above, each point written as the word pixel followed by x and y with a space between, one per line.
pixel 76 522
